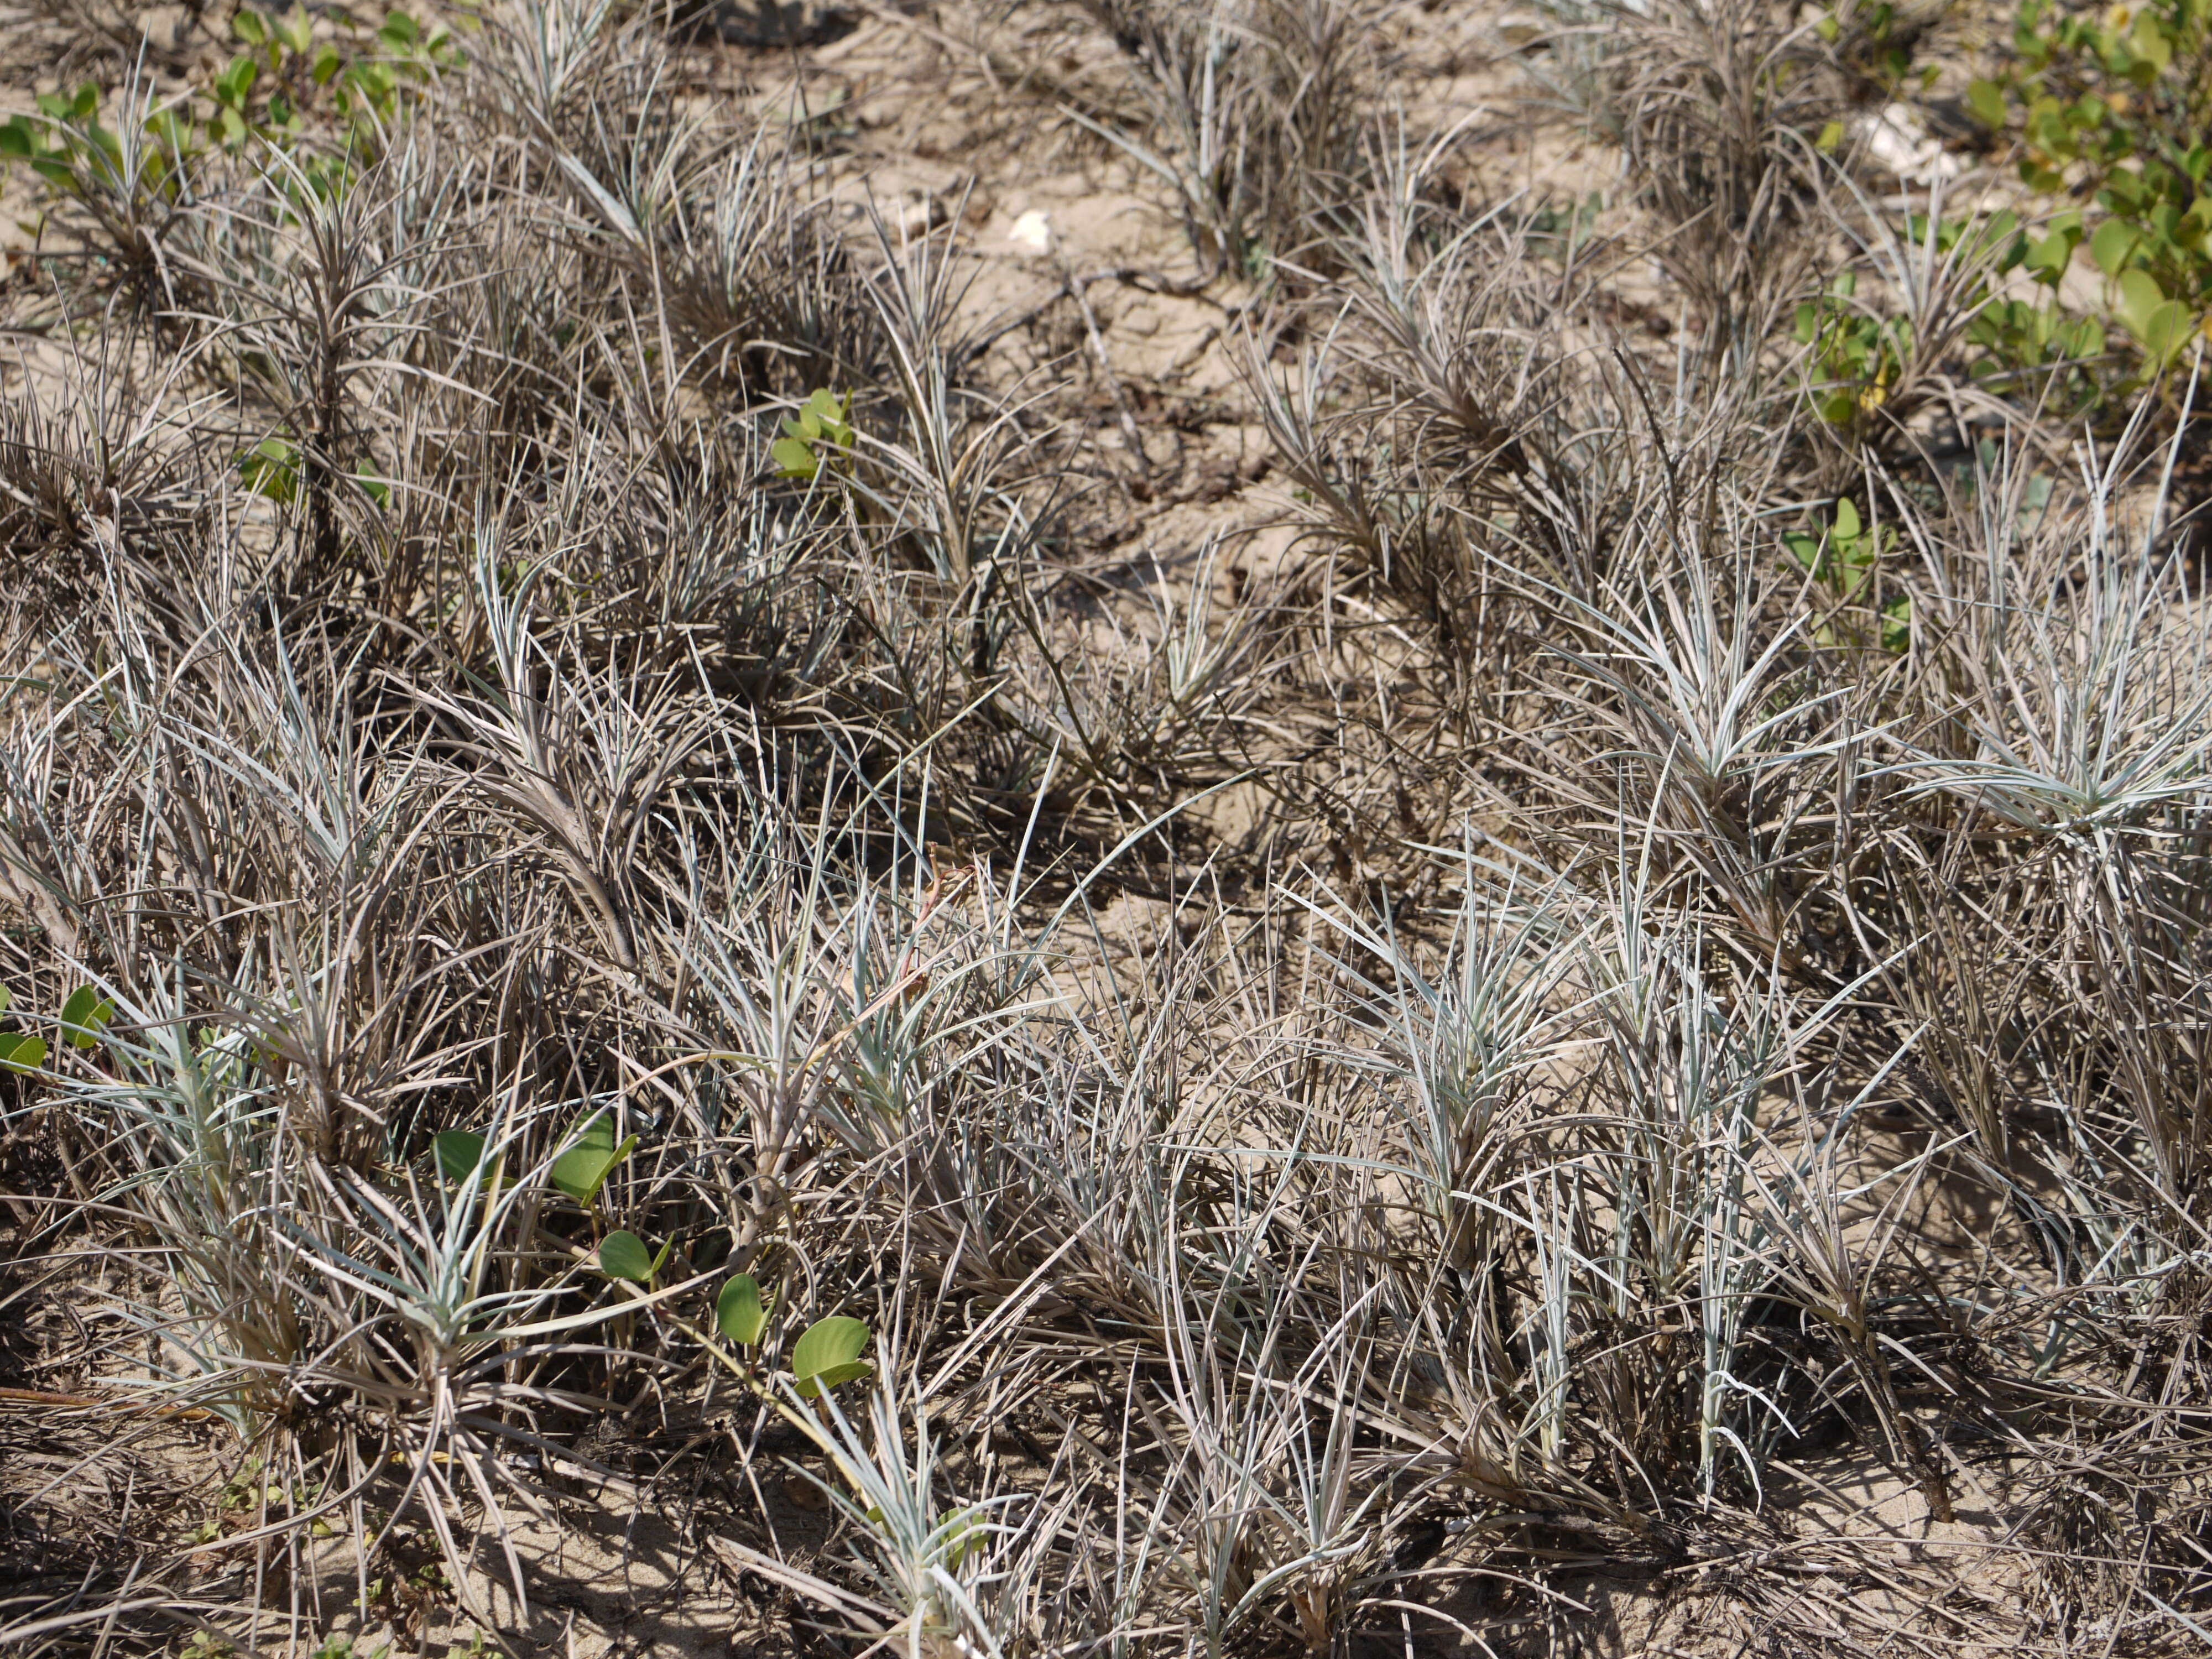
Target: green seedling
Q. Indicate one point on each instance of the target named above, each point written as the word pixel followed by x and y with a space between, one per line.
pixel 584 1168
pixel 18 1052
pixel 821 425
pixel 232 91
pixel 1557 232
pixel 828 1353
pixel 459 1153
pixel 127 180
pixel 289 34
pixel 247 1489
pixel 740 1312
pixel 1842 557
pixel 271 468
pixel 2161 327
pixel 623 1256
pixel 1856 356
pixel 83 1017
pixel 966 1531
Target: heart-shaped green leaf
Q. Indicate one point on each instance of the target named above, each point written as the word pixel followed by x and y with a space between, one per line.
pixel 2140 296
pixel 235 82
pixel 739 1310
pixel 2166 332
pixel 824 417
pixel 293 30
pixel 793 458
pixel 2048 256
pixel 962 1533
pixel 271 468
pixel 2149 41
pixel 22 1054
pixel 623 1256
pixel 459 1153
pixel 829 1353
pixel 84 1015
pixel 1986 100
pixel 2161 325
pixel 1897 625
pixel 584 1168
pixel 2110 247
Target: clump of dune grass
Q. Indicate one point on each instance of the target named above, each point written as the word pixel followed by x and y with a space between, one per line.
pixel 548 700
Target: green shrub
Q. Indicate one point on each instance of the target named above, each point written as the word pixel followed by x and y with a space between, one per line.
pixel 144 162
pixel 2116 109
pixel 2024 346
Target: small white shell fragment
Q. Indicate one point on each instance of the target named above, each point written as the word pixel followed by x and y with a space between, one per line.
pixel 1032 230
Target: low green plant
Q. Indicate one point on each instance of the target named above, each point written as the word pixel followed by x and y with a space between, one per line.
pixel 1559 229
pixel 69 148
pixel 821 430
pixel 19 1052
pixel 287 87
pixel 459 1152
pixel 272 468
pixel 582 1170
pixel 1876 44
pixel 84 1016
pixel 828 1353
pixel 130 175
pixel 2020 334
pixel 1859 357
pixel 1842 554
pixel 248 1488
pixel 625 1255
pixel 338 1646
pixel 2115 108
pixel 272 89
pixel 741 1313
pixel 1856 356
